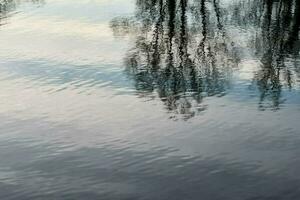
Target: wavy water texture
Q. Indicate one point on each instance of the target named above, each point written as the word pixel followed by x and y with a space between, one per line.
pixel 146 100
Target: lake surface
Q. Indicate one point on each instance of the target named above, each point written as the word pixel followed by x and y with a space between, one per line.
pixel 149 100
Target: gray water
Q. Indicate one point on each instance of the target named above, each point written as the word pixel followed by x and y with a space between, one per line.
pixel 154 100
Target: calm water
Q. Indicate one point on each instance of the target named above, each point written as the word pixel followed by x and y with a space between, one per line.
pixel 152 100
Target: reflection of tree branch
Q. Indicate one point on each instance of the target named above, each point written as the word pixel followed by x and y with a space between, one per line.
pixel 201 50
pixel 180 81
pixel 183 34
pixel 276 45
pixel 8 6
pixel 218 14
pixel 158 32
pixel 294 33
pixel 186 60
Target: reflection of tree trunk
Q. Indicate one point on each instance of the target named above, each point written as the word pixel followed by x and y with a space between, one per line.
pixel 218 14
pixel 283 24
pixel 171 25
pixel 268 16
pixel 294 34
pixel 286 16
pixel 201 50
pixel 157 32
pixel 183 36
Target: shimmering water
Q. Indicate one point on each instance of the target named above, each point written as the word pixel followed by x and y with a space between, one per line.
pixel 154 100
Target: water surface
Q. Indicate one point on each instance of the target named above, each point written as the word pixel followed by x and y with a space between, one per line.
pixel 161 99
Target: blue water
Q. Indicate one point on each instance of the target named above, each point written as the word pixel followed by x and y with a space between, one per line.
pixel 163 100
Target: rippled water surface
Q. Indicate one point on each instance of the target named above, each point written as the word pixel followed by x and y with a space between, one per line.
pixel 152 100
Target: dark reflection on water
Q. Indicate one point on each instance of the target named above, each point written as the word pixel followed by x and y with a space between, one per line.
pixel 183 52
pixel 277 42
pixel 182 60
pixel 9 6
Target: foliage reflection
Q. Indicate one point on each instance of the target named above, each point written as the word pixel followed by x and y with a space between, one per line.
pixel 183 51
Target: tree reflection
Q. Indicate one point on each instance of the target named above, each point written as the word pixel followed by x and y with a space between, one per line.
pixel 277 45
pixel 8 6
pixel 183 52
